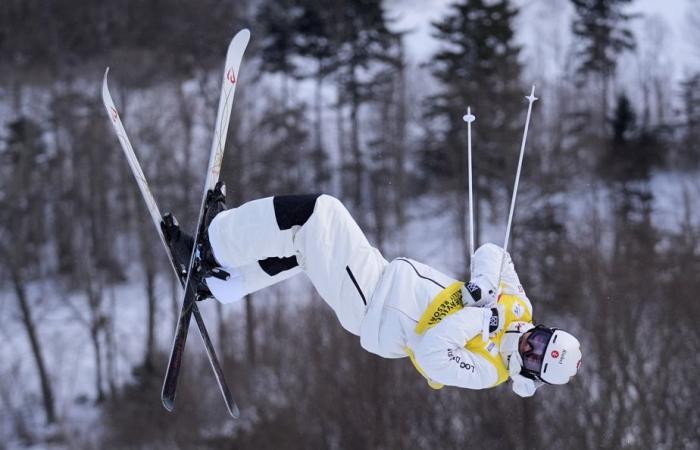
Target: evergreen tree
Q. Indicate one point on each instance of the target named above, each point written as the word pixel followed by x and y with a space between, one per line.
pixel 24 165
pixel 315 41
pixel 362 44
pixel 602 30
pixel 632 152
pixel 688 154
pixel 477 65
pixel 278 21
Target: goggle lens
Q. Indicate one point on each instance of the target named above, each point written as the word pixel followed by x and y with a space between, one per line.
pixel 538 340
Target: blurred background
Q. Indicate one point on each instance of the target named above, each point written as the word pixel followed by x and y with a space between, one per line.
pixel 362 100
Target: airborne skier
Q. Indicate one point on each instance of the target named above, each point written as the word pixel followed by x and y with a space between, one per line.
pixel 455 334
pixel 473 336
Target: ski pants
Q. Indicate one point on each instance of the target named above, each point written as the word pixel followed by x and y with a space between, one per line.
pixel 266 241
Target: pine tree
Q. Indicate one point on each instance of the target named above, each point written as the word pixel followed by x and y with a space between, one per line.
pixel 315 40
pixel 632 152
pixel 688 155
pixel 24 164
pixel 601 27
pixel 363 41
pixel 477 65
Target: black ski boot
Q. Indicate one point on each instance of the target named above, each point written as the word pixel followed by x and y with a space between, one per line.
pixel 181 245
pixel 214 204
pixel 179 242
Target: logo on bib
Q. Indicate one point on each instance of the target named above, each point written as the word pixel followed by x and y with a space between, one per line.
pixel 517 310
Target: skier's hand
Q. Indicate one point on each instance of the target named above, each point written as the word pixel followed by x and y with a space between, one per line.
pixel 479 292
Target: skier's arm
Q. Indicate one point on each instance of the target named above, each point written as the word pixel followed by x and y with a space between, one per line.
pixel 441 353
pixel 486 269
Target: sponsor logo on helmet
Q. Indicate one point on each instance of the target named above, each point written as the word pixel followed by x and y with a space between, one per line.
pixel 555 354
pixel 563 357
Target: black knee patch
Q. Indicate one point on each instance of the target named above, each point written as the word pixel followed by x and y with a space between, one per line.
pixel 273 266
pixel 293 210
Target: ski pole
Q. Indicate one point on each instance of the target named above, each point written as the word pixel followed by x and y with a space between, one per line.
pixel 469 118
pixel 531 99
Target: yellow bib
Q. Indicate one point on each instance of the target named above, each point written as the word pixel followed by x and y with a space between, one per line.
pixel 449 301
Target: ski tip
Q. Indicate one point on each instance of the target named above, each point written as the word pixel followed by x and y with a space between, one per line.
pixel 241 39
pixel 168 403
pixel 106 97
pixel 234 412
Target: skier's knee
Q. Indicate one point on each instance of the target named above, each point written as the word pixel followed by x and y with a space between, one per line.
pixel 291 210
pixel 329 202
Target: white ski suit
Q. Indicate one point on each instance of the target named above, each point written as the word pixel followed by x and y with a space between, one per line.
pixel 403 308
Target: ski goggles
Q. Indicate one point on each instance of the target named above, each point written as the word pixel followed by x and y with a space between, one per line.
pixel 538 340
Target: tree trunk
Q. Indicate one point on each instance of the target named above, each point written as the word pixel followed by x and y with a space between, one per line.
pixel 96 325
pixel 342 156
pixel 97 349
pixel 110 345
pixel 221 331
pixel 250 329
pixel 400 145
pixel 319 154
pixel 30 327
pixel 357 165
pixel 187 121
pixel 149 355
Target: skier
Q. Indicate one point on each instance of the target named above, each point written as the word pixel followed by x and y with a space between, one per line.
pixel 474 335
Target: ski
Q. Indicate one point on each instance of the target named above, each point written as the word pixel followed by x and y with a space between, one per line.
pixel 228 89
pixel 156 218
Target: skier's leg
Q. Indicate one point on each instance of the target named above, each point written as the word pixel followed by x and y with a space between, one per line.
pixel 246 280
pixel 254 243
pixel 315 231
pixel 252 233
pixel 342 265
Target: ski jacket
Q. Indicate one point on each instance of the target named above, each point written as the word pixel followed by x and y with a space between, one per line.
pixel 416 311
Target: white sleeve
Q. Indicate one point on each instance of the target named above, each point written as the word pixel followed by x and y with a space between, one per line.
pixel 487 264
pixel 441 353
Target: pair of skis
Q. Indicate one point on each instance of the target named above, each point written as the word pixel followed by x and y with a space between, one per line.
pixel 234 56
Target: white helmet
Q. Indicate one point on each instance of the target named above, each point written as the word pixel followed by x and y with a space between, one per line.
pixel 553 355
